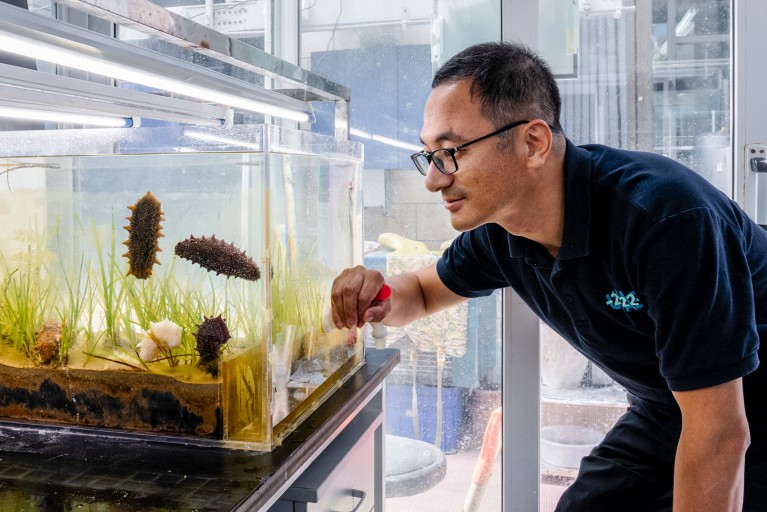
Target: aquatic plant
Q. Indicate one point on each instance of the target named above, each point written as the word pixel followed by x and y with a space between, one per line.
pixel 164 298
pixel 241 297
pixel 27 294
pixel 198 299
pixel 92 305
pixel 151 300
pixel 71 307
pixel 74 289
pixel 109 287
pixel 297 295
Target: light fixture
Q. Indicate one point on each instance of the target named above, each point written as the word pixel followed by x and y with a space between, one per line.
pixel 22 87
pixel 36 114
pixel 38 37
pixel 384 140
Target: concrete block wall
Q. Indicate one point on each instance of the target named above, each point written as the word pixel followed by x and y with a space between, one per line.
pixel 397 201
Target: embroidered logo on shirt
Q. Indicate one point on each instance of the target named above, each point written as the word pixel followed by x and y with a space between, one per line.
pixel 625 301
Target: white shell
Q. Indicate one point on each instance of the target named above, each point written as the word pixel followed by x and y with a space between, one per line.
pixel 147 348
pixel 166 332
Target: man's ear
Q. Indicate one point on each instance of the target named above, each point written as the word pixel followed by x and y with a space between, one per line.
pixel 539 141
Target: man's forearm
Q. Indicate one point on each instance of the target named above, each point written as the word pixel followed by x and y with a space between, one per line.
pixel 406 300
pixel 418 294
pixel 709 474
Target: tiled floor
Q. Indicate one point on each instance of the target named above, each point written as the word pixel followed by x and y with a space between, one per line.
pixel 450 494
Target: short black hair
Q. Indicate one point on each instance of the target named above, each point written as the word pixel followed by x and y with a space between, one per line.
pixel 513 82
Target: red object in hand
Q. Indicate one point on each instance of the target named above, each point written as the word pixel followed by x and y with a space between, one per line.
pixel 327 317
pixel 384 293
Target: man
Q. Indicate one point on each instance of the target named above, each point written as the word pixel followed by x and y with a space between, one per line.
pixel 638 262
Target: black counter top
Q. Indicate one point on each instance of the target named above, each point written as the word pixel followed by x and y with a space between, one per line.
pixel 47 468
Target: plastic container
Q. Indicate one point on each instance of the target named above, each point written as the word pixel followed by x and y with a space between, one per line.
pixel 399 414
pixel 566 445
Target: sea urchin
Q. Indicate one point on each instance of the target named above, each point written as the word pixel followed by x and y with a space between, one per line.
pixel 211 336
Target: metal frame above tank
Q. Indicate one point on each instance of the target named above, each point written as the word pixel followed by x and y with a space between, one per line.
pixel 292 85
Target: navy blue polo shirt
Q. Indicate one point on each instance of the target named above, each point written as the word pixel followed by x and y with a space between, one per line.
pixel 656 281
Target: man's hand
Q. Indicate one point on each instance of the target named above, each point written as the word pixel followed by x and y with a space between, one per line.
pixel 353 298
pixel 710 458
pixel 413 296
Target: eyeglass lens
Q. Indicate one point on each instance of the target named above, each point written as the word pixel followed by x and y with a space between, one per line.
pixel 421 161
pixel 442 158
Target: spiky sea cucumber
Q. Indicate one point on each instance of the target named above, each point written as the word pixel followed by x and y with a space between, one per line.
pixel 211 336
pixel 218 256
pixel 144 230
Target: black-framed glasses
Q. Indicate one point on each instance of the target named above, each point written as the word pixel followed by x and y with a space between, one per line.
pixel 444 158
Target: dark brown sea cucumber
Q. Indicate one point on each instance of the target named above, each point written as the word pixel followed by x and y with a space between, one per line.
pixel 218 256
pixel 211 336
pixel 144 230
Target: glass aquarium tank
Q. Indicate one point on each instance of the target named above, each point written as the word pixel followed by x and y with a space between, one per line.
pixel 172 280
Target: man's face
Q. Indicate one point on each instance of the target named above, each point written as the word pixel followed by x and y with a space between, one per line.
pixel 485 185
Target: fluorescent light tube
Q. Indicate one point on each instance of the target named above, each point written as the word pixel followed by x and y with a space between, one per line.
pixel 20 87
pixel 34 114
pixel 28 47
pixel 384 140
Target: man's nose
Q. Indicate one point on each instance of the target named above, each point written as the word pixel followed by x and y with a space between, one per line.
pixel 436 180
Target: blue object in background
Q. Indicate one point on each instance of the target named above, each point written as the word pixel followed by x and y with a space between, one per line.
pixel 389 87
pixel 399 413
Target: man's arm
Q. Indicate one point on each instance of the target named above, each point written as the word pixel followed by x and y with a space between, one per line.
pixel 414 295
pixel 710 458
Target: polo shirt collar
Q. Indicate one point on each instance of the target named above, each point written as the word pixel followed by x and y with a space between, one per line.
pixel 575 236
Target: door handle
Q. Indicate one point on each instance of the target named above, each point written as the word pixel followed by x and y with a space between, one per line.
pixel 758 164
pixel 757 157
pixel 755 182
pixel 357 493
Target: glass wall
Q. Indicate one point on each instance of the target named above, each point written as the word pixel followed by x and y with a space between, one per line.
pixel 443 392
pixel 654 76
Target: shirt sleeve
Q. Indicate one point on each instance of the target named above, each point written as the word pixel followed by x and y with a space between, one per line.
pixel 694 273
pixel 468 267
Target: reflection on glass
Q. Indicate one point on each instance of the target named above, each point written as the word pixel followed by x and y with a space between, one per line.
pixel 652 80
pixel 443 393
